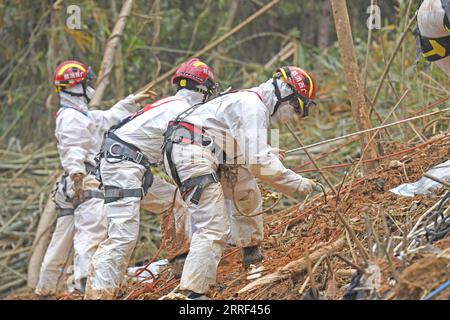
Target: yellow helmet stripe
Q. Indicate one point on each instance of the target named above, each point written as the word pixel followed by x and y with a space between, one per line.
pixel 284 73
pixel 311 83
pixel 70 65
pixel 301 104
pixel 198 64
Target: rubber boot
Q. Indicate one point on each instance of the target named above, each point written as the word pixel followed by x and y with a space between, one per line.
pixel 178 264
pixel 191 295
pixel 251 255
pixel 82 288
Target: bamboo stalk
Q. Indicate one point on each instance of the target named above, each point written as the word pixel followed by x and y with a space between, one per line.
pixel 110 51
pixel 294 266
pixel 391 60
pixel 368 130
pixel 321 172
pixel 214 44
pixel 40 243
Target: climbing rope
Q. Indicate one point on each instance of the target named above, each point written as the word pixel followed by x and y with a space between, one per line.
pixel 230 173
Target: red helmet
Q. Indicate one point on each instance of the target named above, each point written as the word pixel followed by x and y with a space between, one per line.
pixel 301 83
pixel 197 71
pixel 299 80
pixel 70 73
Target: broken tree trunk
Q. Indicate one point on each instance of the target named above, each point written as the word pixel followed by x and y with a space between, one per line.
pixel 294 267
pixel 110 51
pixel 41 242
pixel 354 86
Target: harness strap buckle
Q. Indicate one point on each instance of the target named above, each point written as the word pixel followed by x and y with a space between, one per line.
pixel 199 183
pixel 139 157
pixel 115 149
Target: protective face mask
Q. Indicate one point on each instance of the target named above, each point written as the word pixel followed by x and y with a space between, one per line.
pixel 90 92
pixel 286 113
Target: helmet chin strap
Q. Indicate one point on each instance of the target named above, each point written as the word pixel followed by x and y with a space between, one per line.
pixel 278 95
pixel 74 94
pixel 191 85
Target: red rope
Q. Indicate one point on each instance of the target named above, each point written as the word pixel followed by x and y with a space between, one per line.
pixel 327 153
pixel 431 105
pixel 341 165
pixel 150 287
pixel 297 218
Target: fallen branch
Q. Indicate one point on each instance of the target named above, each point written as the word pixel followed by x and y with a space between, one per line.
pixel 40 243
pixel 296 266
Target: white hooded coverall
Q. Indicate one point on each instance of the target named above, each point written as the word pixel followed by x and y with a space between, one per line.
pixel 240 118
pixel 146 133
pixel 430 19
pixel 79 133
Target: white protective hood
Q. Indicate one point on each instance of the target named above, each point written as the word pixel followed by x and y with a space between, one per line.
pixel 79 132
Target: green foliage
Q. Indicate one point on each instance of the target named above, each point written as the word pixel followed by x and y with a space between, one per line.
pixel 161 34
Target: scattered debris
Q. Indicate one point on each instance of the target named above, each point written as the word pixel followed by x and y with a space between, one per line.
pixel 255 272
pixel 147 276
pixel 425 185
pixel 385 246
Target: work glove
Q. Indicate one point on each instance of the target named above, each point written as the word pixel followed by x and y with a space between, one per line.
pixel 78 187
pixel 280 153
pixel 144 95
pixel 306 186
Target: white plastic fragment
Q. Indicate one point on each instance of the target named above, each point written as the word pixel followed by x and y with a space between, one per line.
pixel 255 273
pixel 424 186
pixel 146 277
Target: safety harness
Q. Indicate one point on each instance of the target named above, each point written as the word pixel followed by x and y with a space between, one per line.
pixel 90 169
pixel 115 148
pixel 434 49
pixel 183 132
pixel 87 194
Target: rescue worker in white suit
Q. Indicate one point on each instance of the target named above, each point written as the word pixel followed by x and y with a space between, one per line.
pixel 195 143
pixel 244 206
pixel 79 132
pixel 433 32
pixel 128 151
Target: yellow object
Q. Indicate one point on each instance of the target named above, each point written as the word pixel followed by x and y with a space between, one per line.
pixel 301 104
pixel 183 82
pixel 198 64
pixel 437 49
pixel 71 65
pixel 284 73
